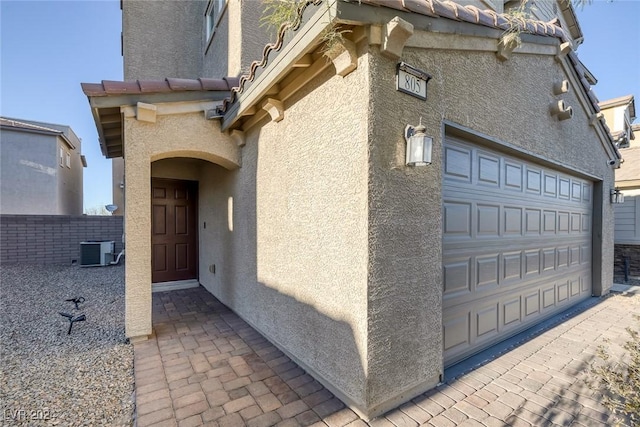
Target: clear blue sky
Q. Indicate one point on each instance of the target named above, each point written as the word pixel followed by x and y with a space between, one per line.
pixel 49 47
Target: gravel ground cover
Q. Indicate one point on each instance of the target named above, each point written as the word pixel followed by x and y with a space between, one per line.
pixel 48 377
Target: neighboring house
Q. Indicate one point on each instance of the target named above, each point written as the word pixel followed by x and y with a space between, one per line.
pixel 41 168
pixel 286 193
pixel 620 114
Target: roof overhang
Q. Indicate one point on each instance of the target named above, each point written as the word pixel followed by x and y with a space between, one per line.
pixel 107 110
pixel 27 127
pixel 569 15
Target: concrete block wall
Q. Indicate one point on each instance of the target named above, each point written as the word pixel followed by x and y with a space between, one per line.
pixel 53 239
pixel 632 253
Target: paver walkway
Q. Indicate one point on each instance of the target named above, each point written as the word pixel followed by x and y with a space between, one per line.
pixel 206 366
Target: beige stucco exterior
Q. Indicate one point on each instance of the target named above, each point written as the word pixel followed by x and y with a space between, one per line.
pixel 181 135
pixel 310 225
pixel 324 228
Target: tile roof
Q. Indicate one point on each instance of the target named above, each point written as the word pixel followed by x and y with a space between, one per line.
pixel 109 87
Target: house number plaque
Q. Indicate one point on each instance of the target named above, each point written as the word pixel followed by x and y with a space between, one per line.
pixel 412 81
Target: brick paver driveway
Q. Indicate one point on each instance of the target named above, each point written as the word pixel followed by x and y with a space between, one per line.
pixel 205 366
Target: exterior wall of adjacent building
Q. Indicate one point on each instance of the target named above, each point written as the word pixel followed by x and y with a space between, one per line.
pixel 70 182
pixel 36 179
pixel 618 118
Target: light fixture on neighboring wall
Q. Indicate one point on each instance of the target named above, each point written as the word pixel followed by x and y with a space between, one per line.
pixel 419 145
pixel 616 196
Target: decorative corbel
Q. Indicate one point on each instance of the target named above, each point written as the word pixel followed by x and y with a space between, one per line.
pixel 238 137
pixel 595 118
pixel 146 112
pixel 375 34
pixel 344 57
pixel 563 50
pixel 561 111
pixel 395 35
pixel 505 48
pixel 561 87
pixel 275 108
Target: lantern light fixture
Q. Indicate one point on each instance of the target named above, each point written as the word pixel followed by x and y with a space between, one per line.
pixel 419 145
pixel 617 197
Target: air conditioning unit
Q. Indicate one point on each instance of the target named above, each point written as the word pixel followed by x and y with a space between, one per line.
pixel 96 253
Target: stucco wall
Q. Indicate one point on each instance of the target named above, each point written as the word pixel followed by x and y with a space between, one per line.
pixel 117 178
pixel 180 135
pixel 70 183
pixel 238 40
pixel 29 172
pixel 508 101
pixel 154 31
pixel 33 182
pixel 292 261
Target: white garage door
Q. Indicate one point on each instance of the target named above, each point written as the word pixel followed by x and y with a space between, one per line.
pixel 516 245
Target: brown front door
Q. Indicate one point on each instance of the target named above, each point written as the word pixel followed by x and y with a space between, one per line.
pixel 174 250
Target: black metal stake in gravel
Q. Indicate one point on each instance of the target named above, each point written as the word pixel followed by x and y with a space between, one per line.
pixel 73 319
pixel 76 301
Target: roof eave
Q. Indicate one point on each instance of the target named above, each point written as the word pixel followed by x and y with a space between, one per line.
pixel 99 103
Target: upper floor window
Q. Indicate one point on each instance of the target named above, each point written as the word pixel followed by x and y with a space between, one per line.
pixel 68 160
pixel 61 157
pixel 214 12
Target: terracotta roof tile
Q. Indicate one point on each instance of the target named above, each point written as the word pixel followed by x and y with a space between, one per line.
pixel 184 84
pixel 214 84
pixel 394 4
pixel 444 9
pixel 116 87
pixel 420 6
pixel 92 89
pixel 154 86
pixel 108 87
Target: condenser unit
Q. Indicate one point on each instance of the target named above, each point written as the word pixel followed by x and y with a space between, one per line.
pixel 96 253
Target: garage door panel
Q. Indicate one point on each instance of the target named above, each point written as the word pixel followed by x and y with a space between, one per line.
pixel 457 219
pixel 487 268
pixel 488 170
pixel 516 245
pixel 457 332
pixel 532 303
pixel 457 163
pixel 488 217
pixel 457 278
pixel 487 321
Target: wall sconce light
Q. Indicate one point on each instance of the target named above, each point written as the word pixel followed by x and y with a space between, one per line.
pixel 617 197
pixel 419 145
